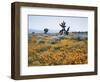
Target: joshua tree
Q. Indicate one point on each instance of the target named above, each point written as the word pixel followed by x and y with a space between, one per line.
pixel 45 30
pixel 63 31
pixel 63 25
pixel 33 32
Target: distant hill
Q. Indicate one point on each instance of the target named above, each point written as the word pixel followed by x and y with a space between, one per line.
pixel 42 31
pixel 36 31
pixel 52 31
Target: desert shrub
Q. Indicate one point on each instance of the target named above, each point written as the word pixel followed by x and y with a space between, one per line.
pixel 36 63
pixel 30 60
pixel 35 57
pixel 32 40
pixel 61 37
pixel 52 41
pixel 42 49
pixel 78 38
pixel 40 41
pixel 57 48
pixel 81 38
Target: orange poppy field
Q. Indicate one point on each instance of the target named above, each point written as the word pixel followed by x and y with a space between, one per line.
pixel 45 51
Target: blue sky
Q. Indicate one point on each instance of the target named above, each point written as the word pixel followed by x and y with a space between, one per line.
pixel 38 23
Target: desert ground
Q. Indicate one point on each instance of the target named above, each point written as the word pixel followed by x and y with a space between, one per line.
pixel 54 49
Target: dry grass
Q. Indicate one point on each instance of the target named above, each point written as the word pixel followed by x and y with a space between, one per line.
pixel 63 52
